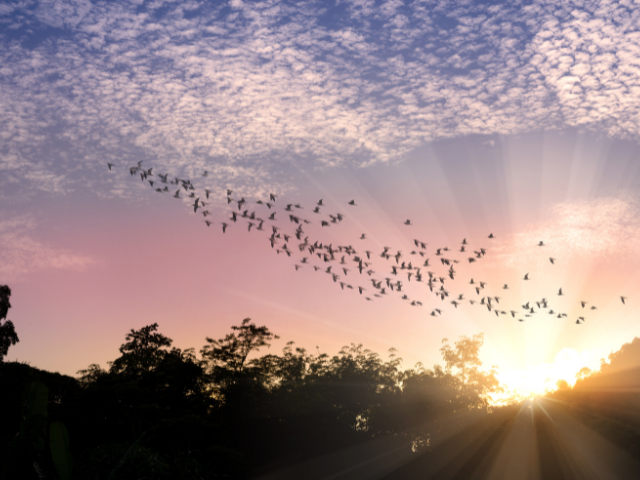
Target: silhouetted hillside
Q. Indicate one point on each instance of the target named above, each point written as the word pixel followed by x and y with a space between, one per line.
pixel 621 373
pixel 608 401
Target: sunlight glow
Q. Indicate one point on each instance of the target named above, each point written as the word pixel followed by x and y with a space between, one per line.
pixel 541 379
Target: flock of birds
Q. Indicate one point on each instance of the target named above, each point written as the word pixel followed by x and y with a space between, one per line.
pixel 344 262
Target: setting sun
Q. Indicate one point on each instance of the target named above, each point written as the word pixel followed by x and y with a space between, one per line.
pixel 541 379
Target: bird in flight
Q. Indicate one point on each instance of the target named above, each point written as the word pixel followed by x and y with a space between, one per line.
pixel 363 264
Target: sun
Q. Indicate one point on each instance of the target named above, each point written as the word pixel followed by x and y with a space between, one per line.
pixel 538 380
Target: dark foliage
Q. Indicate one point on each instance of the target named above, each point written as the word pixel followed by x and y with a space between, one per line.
pixel 159 412
pixel 8 334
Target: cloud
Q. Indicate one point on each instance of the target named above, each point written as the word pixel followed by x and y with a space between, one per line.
pixel 597 229
pixel 253 86
pixel 21 254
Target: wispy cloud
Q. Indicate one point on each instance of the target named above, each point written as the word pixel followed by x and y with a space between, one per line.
pixel 21 253
pixel 597 229
pixel 250 86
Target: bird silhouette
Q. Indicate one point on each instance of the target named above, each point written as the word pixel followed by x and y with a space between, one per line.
pixel 328 253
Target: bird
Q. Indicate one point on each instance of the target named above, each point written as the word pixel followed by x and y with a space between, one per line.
pixel 327 253
pixel 583 303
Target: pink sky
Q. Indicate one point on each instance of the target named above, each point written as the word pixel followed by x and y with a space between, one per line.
pixel 85 269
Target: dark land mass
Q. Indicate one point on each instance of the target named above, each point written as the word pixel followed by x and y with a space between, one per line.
pixel 159 412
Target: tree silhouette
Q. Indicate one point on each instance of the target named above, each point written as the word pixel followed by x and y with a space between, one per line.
pixel 466 361
pixel 231 352
pixel 142 353
pixel 8 334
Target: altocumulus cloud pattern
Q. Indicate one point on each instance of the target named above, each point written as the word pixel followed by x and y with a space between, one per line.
pixel 239 88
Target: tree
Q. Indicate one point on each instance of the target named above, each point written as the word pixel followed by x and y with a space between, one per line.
pixel 142 353
pixel 8 334
pixel 231 352
pixel 476 384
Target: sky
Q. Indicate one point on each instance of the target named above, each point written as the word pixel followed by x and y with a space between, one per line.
pixel 468 118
